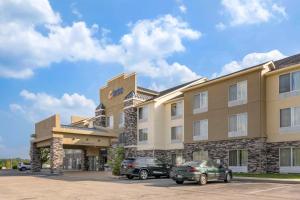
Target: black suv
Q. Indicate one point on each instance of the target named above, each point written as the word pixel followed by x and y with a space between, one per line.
pixel 143 167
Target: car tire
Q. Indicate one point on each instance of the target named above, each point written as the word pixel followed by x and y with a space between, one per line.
pixel 179 182
pixel 129 176
pixel 143 175
pixel 203 179
pixel 228 178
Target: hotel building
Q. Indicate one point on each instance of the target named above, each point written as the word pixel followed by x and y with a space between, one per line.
pixel 248 120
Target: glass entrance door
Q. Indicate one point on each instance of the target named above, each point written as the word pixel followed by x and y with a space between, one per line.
pixel 72 159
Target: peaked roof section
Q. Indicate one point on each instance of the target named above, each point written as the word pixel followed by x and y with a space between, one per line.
pixel 288 61
pixel 147 90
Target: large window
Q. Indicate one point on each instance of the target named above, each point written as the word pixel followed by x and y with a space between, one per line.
pixel 110 121
pixel 121 119
pixel 238 125
pixel 200 155
pixel 143 113
pixel 176 134
pixel 237 94
pixel 289 157
pixel 238 158
pixel 200 102
pixel 290 117
pixel 289 82
pixel 200 130
pixel 176 110
pixel 143 135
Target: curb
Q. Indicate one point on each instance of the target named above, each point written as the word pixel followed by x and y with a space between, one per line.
pixel 267 180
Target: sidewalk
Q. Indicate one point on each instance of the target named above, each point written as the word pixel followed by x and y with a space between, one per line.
pixel 269 180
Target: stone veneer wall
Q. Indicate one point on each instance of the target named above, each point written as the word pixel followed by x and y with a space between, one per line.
pixel 56 155
pixel 100 116
pixel 220 150
pixel 35 154
pixel 273 164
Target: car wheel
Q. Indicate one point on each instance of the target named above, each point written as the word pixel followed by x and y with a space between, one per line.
pixel 203 179
pixel 129 176
pixel 228 178
pixel 179 182
pixel 143 174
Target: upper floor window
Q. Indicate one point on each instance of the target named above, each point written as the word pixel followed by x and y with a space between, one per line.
pixel 200 130
pixel 143 113
pixel 237 94
pixel 176 134
pixel 289 82
pixel 143 135
pixel 121 119
pixel 110 121
pixel 176 110
pixel 200 102
pixel 238 125
pixel 290 119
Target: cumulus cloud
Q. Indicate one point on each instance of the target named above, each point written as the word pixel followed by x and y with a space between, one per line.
pixel 37 106
pixel 145 48
pixel 249 60
pixel 243 12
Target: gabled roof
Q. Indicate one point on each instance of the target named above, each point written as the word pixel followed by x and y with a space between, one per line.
pixel 288 61
pixel 147 90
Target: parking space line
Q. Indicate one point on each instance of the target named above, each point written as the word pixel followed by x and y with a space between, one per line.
pixel 269 189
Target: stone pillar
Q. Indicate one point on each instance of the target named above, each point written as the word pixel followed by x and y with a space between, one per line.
pixel 100 116
pixel 35 154
pixel 56 155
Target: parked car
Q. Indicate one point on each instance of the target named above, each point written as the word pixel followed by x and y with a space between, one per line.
pixel 23 166
pixel 144 167
pixel 201 172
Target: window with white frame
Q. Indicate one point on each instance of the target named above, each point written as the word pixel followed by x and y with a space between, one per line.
pixel 238 158
pixel 176 110
pixel 238 125
pixel 200 155
pixel 200 102
pixel 289 157
pixel 176 159
pixel 121 119
pixel 143 113
pixel 176 134
pixel 289 82
pixel 110 121
pixel 200 130
pixel 237 94
pixel 143 135
pixel 289 118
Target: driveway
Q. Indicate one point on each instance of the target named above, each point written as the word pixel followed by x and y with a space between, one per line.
pixel 99 185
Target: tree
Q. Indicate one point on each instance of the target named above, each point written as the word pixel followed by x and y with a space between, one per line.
pixel 45 155
pixel 116 156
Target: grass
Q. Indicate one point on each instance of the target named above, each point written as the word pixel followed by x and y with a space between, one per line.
pixel 278 176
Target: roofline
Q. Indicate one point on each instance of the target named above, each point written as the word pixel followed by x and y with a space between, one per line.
pixel 118 76
pixel 280 70
pixel 141 89
pixel 174 100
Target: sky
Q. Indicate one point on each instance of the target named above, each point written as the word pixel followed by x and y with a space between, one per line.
pixel 55 55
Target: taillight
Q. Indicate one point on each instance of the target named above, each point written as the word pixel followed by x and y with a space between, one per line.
pixel 131 165
pixel 193 169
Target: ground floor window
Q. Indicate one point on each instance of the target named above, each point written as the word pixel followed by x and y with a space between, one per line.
pixel 200 155
pixel 289 157
pixel 176 159
pixel 238 158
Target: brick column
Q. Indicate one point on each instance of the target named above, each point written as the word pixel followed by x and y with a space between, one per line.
pixel 35 155
pixel 56 155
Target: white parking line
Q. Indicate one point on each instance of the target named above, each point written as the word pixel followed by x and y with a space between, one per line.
pixel 269 189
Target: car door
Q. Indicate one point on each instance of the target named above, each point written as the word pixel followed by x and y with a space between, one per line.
pixel 158 168
pixel 220 172
pixel 211 170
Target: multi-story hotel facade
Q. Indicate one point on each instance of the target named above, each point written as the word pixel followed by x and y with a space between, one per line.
pixel 248 120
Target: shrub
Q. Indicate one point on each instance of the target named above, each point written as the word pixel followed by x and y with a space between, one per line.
pixel 15 167
pixel 116 156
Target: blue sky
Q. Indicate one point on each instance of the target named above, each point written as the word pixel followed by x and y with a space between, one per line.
pixel 55 55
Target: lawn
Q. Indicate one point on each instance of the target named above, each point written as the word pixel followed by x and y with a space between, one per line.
pixel 279 176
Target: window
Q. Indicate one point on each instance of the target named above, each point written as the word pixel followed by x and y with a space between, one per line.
pixel 143 113
pixel 290 117
pixel 289 82
pixel 237 94
pixel 238 158
pixel 238 125
pixel 176 134
pixel 122 138
pixel 200 130
pixel 110 122
pixel 200 102
pixel 121 119
pixel 200 155
pixel 176 109
pixel 143 135
pixel 176 159
pixel 289 157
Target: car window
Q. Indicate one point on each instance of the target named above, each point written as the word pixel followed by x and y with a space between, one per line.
pixel 192 163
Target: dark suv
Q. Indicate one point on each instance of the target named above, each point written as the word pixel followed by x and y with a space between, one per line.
pixel 143 167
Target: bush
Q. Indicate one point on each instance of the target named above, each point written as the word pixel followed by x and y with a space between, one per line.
pixel 15 167
pixel 116 156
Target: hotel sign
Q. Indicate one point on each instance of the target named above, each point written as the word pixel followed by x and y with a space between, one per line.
pixel 116 92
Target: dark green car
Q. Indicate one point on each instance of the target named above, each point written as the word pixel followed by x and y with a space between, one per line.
pixel 201 172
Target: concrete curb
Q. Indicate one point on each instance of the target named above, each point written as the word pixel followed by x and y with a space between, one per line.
pixel 268 180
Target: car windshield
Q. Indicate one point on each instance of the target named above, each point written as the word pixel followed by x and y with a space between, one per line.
pixel 127 161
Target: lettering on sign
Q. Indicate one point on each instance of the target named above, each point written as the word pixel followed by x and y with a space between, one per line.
pixel 115 92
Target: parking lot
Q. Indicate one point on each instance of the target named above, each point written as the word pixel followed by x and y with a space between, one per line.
pixel 99 185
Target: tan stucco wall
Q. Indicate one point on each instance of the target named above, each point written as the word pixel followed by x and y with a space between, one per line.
pixel 218 110
pixel 274 104
pixel 44 128
pixel 86 140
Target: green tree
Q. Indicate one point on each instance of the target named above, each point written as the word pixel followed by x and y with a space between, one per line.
pixel 45 155
pixel 116 156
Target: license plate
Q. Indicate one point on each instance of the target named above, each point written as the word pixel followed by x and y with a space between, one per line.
pixel 179 176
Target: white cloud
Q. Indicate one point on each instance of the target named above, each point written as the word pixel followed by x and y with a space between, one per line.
pixel 249 60
pixel 40 105
pixel 182 8
pixel 252 11
pixel 75 11
pixel 145 48
pixel 221 26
